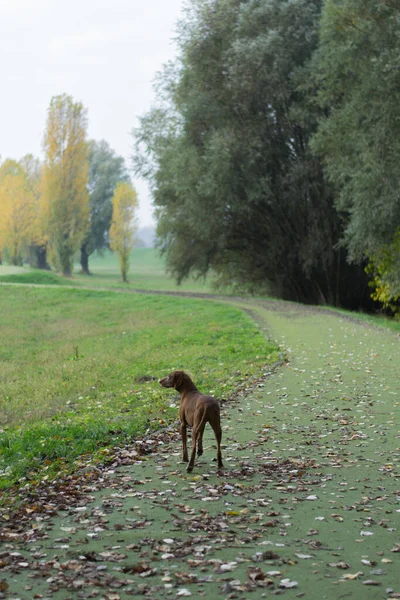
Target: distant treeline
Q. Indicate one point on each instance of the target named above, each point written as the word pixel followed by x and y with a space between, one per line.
pixel 79 199
pixel 273 153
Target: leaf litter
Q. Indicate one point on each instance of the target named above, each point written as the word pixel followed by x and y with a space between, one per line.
pixel 315 442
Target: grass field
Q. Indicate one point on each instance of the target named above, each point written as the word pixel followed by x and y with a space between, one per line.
pixel 147 271
pixel 79 368
pixel 92 507
pixel 306 506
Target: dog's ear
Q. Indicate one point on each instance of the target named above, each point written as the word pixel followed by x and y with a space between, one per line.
pixel 178 379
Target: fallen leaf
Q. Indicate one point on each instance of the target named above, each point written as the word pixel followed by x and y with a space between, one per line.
pixel 287 584
pixel 352 576
pixel 340 565
pixel 226 567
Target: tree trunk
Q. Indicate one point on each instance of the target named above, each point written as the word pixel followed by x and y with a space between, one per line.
pixel 66 264
pixel 124 263
pixel 38 257
pixel 42 258
pixel 84 259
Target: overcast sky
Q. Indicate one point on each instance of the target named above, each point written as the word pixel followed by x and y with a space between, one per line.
pixel 104 53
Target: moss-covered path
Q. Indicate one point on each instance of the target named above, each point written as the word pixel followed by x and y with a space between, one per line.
pixel 308 505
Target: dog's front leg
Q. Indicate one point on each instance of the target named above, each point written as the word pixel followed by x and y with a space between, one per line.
pixel 195 434
pixel 185 456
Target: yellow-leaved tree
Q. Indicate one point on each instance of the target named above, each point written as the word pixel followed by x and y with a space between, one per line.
pixel 38 244
pixel 123 224
pixel 65 199
pixel 17 206
pixel 384 268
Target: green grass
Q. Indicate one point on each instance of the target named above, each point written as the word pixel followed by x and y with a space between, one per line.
pixel 79 368
pixel 377 319
pixel 35 277
pixel 76 365
pixel 308 494
pixel 147 272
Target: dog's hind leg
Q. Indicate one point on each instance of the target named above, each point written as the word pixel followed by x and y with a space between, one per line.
pixel 200 440
pixel 199 423
pixel 218 437
pixel 195 437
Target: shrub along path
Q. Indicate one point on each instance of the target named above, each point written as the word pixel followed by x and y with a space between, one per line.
pixel 307 505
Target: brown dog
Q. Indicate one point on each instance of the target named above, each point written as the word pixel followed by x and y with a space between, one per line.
pixel 195 410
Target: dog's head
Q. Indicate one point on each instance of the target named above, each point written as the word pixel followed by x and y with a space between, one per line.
pixel 173 380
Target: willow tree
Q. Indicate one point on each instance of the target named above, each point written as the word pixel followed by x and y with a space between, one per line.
pixel 123 226
pixel 65 177
pixel 357 73
pixel 236 187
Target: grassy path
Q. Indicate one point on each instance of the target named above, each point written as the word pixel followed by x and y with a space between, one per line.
pixel 308 505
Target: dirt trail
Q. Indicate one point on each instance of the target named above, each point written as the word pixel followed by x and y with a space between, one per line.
pixel 308 505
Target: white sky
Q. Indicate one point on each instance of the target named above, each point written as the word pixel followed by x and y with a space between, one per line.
pixel 104 53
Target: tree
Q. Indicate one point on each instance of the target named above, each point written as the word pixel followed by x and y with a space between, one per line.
pixel 123 227
pixel 384 268
pixel 106 170
pixel 357 72
pixel 38 245
pixel 16 211
pixel 235 185
pixel 65 196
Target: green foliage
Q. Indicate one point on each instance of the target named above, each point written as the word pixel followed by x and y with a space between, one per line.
pixel 384 268
pixel 235 185
pixel 357 72
pixel 106 170
pixel 79 370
